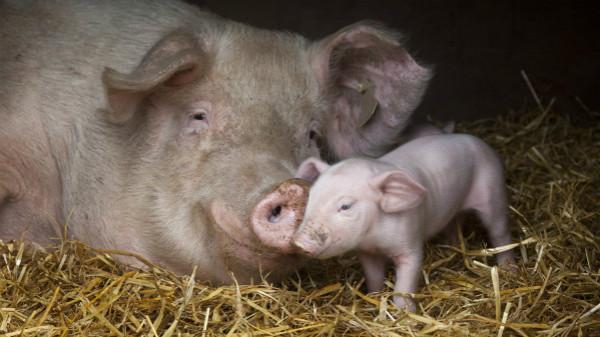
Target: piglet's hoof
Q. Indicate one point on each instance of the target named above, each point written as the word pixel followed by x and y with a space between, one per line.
pixel 276 217
pixel 405 303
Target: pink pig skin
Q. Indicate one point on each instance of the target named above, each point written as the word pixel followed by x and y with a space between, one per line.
pixel 387 208
pixel 426 129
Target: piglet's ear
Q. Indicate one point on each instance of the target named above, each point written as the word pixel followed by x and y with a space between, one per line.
pixel 373 85
pixel 399 192
pixel 311 169
pixel 176 60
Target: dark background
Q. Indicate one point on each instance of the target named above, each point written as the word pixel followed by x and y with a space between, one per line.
pixel 478 47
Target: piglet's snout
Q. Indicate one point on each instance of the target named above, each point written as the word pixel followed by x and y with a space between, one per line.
pixel 276 217
pixel 311 239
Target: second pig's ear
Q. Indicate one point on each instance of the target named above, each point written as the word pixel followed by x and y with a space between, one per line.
pixel 176 60
pixel 399 192
pixel 373 85
pixel 311 169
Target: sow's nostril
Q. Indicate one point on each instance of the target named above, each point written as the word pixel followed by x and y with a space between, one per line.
pixel 275 214
pixel 276 217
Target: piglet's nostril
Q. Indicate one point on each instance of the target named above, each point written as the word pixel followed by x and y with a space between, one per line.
pixel 275 214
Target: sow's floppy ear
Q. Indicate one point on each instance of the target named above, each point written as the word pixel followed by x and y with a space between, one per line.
pixel 176 59
pixel 373 85
pixel 311 169
pixel 399 192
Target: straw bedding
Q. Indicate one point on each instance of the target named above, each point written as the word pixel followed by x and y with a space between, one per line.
pixel 553 179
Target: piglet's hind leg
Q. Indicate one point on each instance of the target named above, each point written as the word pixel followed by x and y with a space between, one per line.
pixel 494 217
pixel 488 198
pixel 499 235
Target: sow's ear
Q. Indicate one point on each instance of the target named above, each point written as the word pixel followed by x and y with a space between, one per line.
pixel 399 192
pixel 373 85
pixel 311 169
pixel 177 59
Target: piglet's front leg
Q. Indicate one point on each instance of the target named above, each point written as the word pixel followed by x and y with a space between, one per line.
pixel 408 268
pixel 374 268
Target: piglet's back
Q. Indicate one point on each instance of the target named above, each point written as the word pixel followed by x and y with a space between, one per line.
pixel 439 150
pixel 450 167
pixel 447 165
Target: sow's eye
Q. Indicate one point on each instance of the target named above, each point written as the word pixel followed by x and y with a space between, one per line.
pixel 316 142
pixel 197 121
pixel 313 134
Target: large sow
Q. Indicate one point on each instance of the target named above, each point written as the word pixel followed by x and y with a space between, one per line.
pixel 154 127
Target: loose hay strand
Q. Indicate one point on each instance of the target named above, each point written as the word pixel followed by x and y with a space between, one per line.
pixel 496 286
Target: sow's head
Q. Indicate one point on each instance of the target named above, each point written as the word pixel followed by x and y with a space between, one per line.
pixel 217 120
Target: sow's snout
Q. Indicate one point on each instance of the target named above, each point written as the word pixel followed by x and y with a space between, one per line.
pixel 277 216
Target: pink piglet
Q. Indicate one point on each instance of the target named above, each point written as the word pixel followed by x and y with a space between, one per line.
pixel 386 208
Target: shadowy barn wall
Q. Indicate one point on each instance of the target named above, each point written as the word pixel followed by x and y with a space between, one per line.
pixel 478 47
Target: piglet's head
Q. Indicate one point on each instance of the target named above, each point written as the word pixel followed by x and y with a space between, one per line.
pixel 348 201
pixel 340 208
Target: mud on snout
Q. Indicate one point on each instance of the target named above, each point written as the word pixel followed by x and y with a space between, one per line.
pixel 311 239
pixel 278 215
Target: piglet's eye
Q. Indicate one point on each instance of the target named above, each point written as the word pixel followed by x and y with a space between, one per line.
pixel 345 207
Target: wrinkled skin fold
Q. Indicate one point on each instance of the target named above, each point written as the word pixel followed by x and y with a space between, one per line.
pixel 157 128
